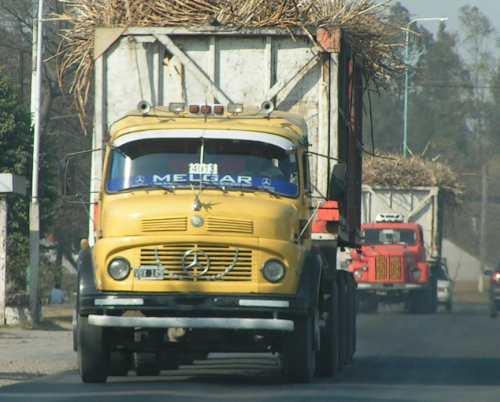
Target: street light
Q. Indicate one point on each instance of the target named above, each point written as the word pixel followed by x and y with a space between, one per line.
pixel 407 77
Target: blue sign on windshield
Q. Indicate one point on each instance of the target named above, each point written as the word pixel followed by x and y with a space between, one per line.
pixel 279 185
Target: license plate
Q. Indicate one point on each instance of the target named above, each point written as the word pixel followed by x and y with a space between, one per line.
pixel 150 273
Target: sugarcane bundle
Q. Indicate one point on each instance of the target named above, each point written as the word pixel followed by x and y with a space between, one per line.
pixel 389 170
pixel 364 22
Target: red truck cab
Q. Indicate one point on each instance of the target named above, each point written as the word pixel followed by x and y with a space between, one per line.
pixel 391 266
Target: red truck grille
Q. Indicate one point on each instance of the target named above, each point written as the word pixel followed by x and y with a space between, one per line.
pixel 388 268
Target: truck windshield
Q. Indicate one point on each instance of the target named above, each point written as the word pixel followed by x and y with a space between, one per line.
pixel 389 236
pixel 177 163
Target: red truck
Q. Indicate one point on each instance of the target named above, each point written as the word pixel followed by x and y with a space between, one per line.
pixel 392 266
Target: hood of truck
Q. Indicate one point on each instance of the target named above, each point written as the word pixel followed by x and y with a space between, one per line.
pixel 385 249
pixel 150 213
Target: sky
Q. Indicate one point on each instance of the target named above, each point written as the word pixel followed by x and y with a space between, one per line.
pixel 449 8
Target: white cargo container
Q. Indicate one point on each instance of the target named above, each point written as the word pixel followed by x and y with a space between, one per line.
pixel 422 205
pixel 211 65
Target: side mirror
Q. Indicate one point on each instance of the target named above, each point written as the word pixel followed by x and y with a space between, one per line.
pixel 337 182
pixel 71 182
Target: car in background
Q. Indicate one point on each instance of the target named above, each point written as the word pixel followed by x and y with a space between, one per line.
pixel 445 287
pixel 494 302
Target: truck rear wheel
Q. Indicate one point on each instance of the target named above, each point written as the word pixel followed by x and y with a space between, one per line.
pixel 298 355
pixel 93 352
pixel 328 355
pixel 351 308
pixel 423 302
pixel 344 317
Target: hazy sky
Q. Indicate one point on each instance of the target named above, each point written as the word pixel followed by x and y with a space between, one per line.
pixel 449 8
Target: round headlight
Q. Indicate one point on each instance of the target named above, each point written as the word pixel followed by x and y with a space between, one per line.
pixel 273 271
pixel 358 274
pixel 119 269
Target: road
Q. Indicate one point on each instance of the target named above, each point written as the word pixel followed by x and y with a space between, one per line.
pixel 401 358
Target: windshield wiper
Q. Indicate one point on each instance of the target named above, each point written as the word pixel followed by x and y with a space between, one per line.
pixel 242 188
pixel 169 188
pixel 201 185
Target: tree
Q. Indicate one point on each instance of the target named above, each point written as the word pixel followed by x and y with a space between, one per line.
pixel 16 143
pixel 61 131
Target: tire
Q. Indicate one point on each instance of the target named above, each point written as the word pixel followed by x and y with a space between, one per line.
pixel 298 355
pixel 93 352
pixel 424 301
pixel 146 364
pixel 449 306
pixel 119 364
pixel 343 314
pixel 368 304
pixel 327 357
pixel 493 311
pixel 351 308
pixel 74 324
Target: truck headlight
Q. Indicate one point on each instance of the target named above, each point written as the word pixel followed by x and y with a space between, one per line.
pixel 273 271
pixel 358 274
pixel 119 269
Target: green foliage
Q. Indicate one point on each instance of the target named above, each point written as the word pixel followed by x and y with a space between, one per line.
pixel 16 139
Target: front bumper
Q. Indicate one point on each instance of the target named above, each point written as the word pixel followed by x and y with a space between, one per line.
pixel 271 324
pixel 382 287
pixel 235 312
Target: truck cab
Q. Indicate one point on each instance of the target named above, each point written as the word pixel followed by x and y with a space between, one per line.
pixel 391 266
pixel 203 244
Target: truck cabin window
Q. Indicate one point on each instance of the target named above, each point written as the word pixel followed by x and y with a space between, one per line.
pixel 187 162
pixel 373 237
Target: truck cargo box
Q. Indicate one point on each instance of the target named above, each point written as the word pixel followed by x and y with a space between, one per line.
pixel 321 82
pixel 422 205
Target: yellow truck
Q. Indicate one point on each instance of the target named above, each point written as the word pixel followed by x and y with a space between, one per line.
pixel 225 175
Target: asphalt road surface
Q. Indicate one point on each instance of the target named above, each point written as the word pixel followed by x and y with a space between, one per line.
pixel 404 358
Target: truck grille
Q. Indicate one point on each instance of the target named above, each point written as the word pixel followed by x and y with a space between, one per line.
pixel 388 268
pixel 174 224
pixel 220 257
pixel 229 225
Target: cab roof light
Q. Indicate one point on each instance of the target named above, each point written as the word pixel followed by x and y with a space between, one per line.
pixel 195 109
pixel 235 108
pixel 176 107
pixel 389 218
pixel 218 109
pixel 206 109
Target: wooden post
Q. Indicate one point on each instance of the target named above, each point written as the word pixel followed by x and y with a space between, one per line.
pixel 3 257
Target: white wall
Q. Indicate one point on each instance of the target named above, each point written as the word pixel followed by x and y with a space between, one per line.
pixel 462 265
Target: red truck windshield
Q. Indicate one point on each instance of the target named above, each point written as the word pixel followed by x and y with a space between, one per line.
pixel 389 236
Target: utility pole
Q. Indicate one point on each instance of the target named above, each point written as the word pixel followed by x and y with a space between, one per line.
pixel 482 226
pixel 36 89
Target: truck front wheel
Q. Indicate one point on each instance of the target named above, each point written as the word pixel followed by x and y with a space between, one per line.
pixel 93 352
pixel 298 355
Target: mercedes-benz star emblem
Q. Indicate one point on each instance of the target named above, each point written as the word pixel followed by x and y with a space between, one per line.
pixel 139 180
pixel 195 263
pixel 266 181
